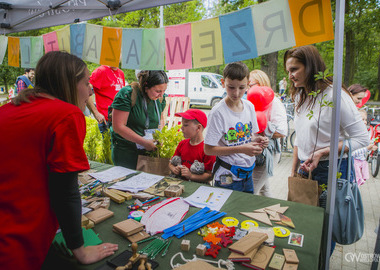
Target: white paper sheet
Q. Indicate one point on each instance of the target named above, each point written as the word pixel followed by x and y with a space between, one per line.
pixel 214 198
pixel 112 174
pixel 138 182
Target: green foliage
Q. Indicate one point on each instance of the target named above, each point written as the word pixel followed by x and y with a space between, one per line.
pixel 96 146
pixel 322 75
pixel 167 141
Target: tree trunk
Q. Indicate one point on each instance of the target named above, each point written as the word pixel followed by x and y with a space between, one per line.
pixel 269 66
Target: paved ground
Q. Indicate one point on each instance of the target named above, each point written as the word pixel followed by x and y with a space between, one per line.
pixel 342 258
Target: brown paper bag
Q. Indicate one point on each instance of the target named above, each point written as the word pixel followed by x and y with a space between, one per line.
pixel 154 165
pixel 303 190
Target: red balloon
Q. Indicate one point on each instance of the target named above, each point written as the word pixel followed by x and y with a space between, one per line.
pixel 261 121
pixel 365 99
pixel 261 97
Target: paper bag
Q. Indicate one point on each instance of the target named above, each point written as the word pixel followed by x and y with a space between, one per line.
pixel 303 190
pixel 154 165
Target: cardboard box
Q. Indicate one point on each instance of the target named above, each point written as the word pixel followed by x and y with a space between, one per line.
pixel 128 227
pixel 99 215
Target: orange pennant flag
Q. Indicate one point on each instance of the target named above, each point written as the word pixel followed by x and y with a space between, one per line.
pixel 14 51
pixel 111 46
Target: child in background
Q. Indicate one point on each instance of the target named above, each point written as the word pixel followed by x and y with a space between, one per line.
pixel 190 150
pixel 230 135
pixel 360 157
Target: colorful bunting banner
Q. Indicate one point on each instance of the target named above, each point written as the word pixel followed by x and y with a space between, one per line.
pixel 13 51
pixel 178 46
pixel 207 43
pixel 238 37
pixel 153 46
pixel 50 42
pixel 3 47
pixel 92 43
pixel 111 47
pixel 312 21
pixel 131 48
pixel 63 36
pixel 37 50
pixel 273 24
pixel 77 33
pixel 245 34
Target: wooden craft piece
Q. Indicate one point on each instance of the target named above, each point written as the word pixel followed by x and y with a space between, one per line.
pixel 290 256
pixel 262 217
pixel 174 190
pixel 261 259
pixel 143 259
pixel 148 266
pixel 213 251
pixel 129 265
pixel 277 262
pixel 95 205
pixel 236 257
pixel 85 221
pixel 283 209
pixel 126 195
pixel 274 207
pixel 287 221
pixel 290 266
pixel 138 236
pixel 90 225
pixel 248 243
pixel 115 197
pixel 276 217
pixel 128 227
pixel 185 245
pixel 201 250
pixel 212 238
pixel 267 231
pixel 270 213
pixel 99 215
pixel 135 256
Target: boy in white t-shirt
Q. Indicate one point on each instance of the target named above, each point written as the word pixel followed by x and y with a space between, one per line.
pixel 230 134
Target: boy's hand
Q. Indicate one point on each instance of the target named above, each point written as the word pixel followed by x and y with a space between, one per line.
pixel 252 149
pixel 185 172
pixel 177 170
pixel 263 141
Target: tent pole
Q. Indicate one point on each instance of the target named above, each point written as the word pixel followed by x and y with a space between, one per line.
pixel 337 86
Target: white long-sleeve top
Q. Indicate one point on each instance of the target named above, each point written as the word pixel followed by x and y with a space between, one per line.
pixel 351 125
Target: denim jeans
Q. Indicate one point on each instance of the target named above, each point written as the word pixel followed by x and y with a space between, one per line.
pixel 243 185
pixel 102 127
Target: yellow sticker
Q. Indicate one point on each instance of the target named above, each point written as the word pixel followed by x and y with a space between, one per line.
pixel 281 232
pixel 230 221
pixel 247 224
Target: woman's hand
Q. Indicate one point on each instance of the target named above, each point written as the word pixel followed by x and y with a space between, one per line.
pixel 99 117
pixel 92 254
pixel 312 162
pixel 150 145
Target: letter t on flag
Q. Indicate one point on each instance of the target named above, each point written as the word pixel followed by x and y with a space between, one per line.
pixel 178 46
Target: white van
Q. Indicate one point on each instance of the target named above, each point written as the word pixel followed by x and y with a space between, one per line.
pixel 205 88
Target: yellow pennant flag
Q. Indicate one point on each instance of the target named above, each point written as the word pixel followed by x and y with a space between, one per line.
pixel 13 51
pixel 111 46
pixel 63 36
pixel 206 43
pixel 312 21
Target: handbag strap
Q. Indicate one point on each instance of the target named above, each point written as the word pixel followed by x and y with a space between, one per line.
pixel 348 159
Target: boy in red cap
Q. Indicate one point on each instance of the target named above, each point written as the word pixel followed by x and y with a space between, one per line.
pixel 191 149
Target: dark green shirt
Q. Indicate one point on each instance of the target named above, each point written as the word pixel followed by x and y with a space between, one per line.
pixel 137 116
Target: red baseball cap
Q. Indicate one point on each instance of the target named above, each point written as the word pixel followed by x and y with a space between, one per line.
pixel 196 114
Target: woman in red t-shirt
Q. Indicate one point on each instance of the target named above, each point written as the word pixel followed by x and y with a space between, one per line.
pixel 43 130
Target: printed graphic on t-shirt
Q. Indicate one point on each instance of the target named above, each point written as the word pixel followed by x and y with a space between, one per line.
pixel 238 135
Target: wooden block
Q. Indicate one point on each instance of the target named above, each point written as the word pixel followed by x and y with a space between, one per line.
pixel 200 250
pixel 94 205
pixel 134 238
pixel 277 262
pixel 105 203
pixel 185 245
pixel 126 195
pixel 115 197
pixel 290 256
pixel 290 266
pixel 128 227
pixel 173 191
pixel 90 225
pixel 99 215
pixel 85 221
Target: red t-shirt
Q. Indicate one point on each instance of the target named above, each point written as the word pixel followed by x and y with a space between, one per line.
pixel 106 83
pixel 38 137
pixel 189 153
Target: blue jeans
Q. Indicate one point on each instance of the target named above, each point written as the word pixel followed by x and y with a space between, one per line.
pixel 102 127
pixel 243 185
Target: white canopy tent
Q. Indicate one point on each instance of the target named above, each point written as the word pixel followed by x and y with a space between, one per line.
pixel 22 15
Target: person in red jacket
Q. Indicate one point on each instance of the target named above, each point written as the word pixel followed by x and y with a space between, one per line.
pixel 107 82
pixel 42 134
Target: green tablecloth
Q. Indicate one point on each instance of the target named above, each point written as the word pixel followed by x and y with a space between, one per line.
pixel 308 221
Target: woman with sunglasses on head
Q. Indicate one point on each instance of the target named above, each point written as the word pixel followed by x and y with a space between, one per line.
pixel 137 111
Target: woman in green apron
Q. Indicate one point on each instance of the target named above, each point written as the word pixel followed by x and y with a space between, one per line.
pixel 136 113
